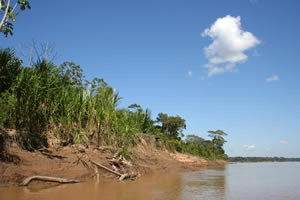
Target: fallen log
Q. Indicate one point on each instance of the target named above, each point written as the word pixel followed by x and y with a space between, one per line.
pixel 107 169
pixel 47 179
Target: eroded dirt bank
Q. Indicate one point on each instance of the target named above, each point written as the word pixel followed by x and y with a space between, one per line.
pixel 72 162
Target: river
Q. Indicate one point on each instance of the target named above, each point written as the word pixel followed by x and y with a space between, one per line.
pixel 242 181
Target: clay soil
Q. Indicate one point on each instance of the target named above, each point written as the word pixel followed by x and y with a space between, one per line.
pixel 72 162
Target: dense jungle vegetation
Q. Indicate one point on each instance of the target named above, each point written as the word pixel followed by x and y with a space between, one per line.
pixel 46 101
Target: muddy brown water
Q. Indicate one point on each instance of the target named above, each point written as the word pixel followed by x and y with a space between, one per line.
pixel 268 181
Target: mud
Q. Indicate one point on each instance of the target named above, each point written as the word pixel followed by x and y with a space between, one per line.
pixel 70 162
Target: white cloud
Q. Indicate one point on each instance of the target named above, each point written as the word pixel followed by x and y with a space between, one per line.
pixel 228 46
pixel 190 73
pixel 249 147
pixel 283 142
pixel 272 78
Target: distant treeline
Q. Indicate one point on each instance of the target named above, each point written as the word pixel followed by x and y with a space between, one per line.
pixel 262 159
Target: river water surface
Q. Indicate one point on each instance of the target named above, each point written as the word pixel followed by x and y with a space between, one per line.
pixel 268 181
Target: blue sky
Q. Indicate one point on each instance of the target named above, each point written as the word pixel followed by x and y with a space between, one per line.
pixel 153 53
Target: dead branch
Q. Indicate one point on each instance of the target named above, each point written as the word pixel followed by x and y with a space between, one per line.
pixel 120 161
pixel 47 179
pixel 107 169
pixel 131 176
pixel 124 176
pixel 116 169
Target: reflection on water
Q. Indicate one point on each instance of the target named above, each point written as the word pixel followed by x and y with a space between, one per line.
pixel 203 184
pixel 155 187
pixel 270 181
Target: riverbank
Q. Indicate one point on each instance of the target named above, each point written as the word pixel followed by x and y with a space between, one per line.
pixel 71 162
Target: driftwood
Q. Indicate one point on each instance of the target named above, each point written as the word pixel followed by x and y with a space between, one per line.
pixel 116 169
pixel 47 179
pixel 120 160
pixel 124 176
pixel 107 169
pixel 121 176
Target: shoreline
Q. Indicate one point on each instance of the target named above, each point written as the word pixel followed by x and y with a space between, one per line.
pixel 70 163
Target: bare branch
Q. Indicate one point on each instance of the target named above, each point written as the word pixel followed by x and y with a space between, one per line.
pixel 5 14
pixel 38 51
pixel 14 7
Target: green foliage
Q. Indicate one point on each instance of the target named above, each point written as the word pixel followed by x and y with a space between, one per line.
pixel 205 148
pixel 193 145
pixel 194 139
pixel 171 126
pixel 10 67
pixel 10 13
pixel 48 99
pixel 7 107
pixel 218 137
pixel 45 98
pixel 79 137
pixel 35 90
pixel 174 145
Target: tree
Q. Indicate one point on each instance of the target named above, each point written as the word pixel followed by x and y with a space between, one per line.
pixel 218 137
pixel 171 126
pixel 9 13
pixel 134 106
pixel 195 139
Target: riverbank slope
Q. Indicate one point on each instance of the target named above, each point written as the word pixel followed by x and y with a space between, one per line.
pixel 72 162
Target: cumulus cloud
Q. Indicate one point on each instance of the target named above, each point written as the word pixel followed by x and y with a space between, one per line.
pixel 190 73
pixel 249 147
pixel 229 44
pixel 272 78
pixel 283 142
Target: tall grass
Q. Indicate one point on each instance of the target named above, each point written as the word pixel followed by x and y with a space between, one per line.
pixel 46 100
